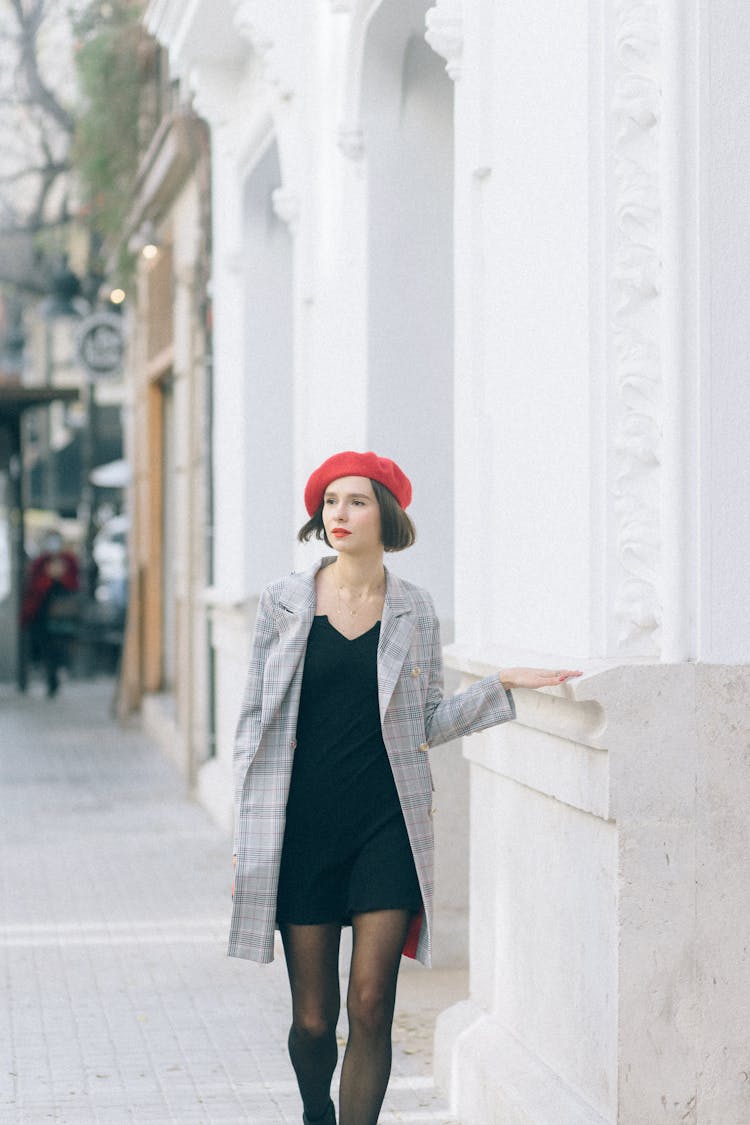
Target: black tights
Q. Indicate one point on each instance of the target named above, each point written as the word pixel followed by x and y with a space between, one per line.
pixel 312 954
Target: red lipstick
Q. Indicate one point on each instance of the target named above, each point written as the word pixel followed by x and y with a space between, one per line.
pixel 340 532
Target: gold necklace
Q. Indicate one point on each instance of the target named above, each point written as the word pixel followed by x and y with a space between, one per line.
pixel 339 599
pixel 365 597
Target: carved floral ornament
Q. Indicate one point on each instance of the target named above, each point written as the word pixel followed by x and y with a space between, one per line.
pixel 635 324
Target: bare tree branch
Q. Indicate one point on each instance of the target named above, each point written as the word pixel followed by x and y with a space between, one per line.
pixel 38 91
pixel 37 128
pixel 36 226
pixel 56 169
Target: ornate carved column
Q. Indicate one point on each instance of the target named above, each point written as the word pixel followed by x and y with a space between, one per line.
pixel 636 308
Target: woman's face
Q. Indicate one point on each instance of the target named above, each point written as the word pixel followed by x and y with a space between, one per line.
pixel 52 542
pixel 351 516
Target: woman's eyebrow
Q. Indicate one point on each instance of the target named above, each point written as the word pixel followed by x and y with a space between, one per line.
pixel 348 495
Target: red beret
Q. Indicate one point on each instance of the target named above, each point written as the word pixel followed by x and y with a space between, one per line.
pixel 351 464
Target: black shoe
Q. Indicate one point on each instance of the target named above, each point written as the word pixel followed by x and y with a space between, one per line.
pixel 328 1118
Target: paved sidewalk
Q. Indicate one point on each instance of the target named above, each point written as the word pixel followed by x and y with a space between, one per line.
pixel 120 1004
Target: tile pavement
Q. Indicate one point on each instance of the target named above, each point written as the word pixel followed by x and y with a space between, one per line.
pixel 120 1005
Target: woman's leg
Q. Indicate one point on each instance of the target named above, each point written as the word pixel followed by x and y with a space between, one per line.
pixel 312 960
pixel 378 940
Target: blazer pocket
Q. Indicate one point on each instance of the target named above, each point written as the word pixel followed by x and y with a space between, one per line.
pixel 283 619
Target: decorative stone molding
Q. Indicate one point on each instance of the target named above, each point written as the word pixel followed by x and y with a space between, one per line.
pixel 286 205
pixel 351 141
pixel 636 300
pixel 248 19
pixel 445 34
pixel 212 88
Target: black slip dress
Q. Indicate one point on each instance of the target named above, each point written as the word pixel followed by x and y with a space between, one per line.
pixel 346 848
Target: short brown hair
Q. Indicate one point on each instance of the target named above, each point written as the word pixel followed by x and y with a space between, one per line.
pixel 397 531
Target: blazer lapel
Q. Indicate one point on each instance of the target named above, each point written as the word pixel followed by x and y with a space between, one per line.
pixel 295 610
pixel 396 632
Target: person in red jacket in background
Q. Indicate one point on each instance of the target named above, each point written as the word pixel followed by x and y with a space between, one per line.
pixel 52 577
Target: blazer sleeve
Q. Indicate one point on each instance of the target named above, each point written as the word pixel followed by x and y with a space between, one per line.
pixel 485 704
pixel 248 732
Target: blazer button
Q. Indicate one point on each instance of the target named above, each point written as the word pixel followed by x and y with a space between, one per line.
pixel 293 744
pixel 424 746
pixel 416 672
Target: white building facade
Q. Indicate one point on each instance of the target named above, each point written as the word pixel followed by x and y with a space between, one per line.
pixel 508 246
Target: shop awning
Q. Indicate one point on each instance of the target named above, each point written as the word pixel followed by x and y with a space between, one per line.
pixel 15 398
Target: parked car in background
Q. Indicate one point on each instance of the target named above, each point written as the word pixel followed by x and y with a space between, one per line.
pixel 110 551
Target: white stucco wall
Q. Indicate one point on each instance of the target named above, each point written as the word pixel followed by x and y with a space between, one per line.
pixel 523 370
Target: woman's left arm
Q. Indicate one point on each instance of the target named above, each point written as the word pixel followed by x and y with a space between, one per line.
pixel 484 704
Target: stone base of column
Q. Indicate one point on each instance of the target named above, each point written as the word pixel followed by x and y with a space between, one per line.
pixel 609 905
pixel 493 1080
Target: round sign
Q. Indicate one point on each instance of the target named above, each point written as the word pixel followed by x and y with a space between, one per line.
pixel 100 344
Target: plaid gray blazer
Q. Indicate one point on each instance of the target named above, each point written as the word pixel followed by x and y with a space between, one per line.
pixel 414 716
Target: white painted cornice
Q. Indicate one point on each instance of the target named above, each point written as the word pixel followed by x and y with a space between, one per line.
pixel 195 31
pixel 445 34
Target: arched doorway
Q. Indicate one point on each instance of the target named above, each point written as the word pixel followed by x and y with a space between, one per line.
pixel 407 118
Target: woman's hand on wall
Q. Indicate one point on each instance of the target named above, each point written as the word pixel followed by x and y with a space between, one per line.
pixel 535 677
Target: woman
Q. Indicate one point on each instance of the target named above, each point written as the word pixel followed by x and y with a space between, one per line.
pixel 333 787
pixel 49 607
